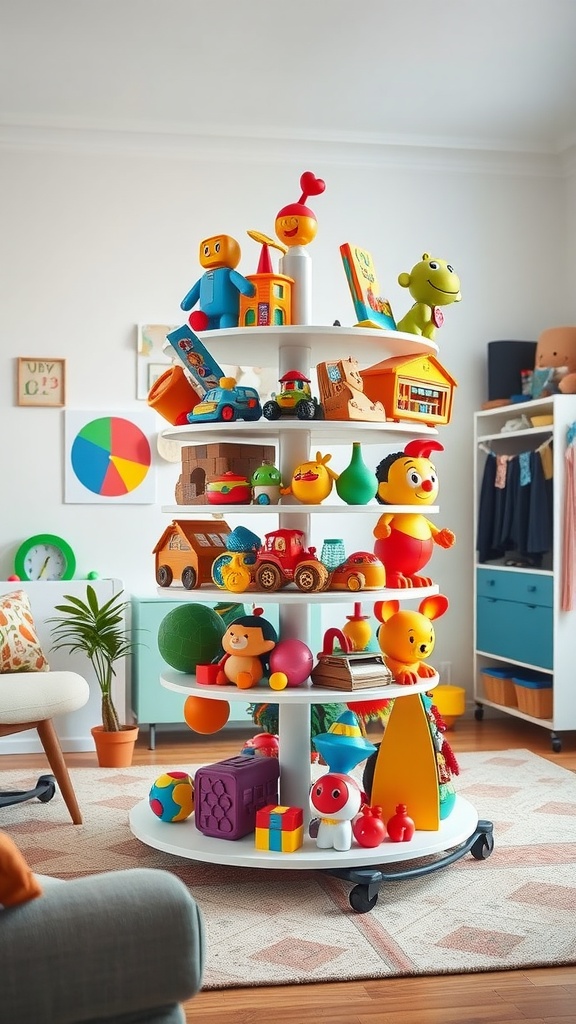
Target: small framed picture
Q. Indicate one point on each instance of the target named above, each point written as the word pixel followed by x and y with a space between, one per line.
pixel 156 370
pixel 41 381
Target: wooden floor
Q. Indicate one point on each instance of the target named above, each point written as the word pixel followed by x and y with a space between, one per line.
pixel 543 996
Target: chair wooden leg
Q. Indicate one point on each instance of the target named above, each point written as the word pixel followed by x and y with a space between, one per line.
pixel 51 744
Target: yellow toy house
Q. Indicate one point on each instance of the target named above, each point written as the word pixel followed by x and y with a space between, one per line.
pixel 411 388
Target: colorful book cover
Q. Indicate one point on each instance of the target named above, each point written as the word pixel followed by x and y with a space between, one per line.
pixel 371 309
pixel 203 369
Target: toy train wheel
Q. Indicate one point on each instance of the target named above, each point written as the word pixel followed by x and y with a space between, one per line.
pixel 164 576
pixel 189 577
pixel 360 901
pixel 269 577
pixel 310 578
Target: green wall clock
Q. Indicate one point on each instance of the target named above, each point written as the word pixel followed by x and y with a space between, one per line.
pixel 45 557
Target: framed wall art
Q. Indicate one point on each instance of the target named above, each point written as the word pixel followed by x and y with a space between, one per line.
pixel 40 381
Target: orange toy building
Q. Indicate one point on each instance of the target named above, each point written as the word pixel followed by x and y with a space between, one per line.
pixel 271 304
pixel 411 388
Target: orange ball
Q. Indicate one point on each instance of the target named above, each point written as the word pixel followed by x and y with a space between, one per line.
pixel 204 715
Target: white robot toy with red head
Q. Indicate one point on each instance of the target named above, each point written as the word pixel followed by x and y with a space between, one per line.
pixel 335 799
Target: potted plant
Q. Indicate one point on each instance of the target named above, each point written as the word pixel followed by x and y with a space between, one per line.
pixel 100 633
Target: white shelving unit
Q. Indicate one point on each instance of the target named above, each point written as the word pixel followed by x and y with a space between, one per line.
pixel 537 634
pixel 300 348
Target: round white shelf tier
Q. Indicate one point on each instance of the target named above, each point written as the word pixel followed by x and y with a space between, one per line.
pixel 325 508
pixel 317 432
pixel 184 840
pixel 291 595
pixel 259 344
pixel 293 719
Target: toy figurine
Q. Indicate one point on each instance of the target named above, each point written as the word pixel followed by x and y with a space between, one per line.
pixel 407 638
pixel 432 283
pixel 247 643
pixel 336 799
pixel 296 227
pixel 368 828
pixel 266 482
pixel 312 481
pixel 295 399
pixel 405 540
pixel 218 290
pixel 400 826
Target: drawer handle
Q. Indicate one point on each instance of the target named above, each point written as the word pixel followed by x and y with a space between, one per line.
pixel 532 589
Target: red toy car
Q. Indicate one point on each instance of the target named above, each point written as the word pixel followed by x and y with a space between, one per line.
pixel 361 571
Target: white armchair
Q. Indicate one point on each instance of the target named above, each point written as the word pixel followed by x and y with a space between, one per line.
pixel 30 700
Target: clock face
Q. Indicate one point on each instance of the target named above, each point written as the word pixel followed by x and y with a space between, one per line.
pixel 45 557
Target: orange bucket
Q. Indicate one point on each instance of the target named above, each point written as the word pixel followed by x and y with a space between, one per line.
pixel 172 394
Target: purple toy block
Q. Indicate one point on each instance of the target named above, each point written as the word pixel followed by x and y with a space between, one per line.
pixel 228 794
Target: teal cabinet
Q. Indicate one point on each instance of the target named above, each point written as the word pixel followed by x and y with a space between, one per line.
pixel 152 703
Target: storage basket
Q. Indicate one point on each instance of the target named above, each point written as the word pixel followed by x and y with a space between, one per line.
pixel 498 686
pixel 534 696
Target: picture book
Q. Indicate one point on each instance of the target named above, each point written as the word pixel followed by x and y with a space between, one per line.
pixel 371 309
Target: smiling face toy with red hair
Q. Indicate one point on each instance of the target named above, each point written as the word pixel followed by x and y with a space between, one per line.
pixel 296 223
pixel 405 540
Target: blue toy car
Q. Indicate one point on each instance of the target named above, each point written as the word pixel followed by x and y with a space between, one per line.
pixel 228 402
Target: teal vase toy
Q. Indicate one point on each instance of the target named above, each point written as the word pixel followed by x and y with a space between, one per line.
pixel 357 484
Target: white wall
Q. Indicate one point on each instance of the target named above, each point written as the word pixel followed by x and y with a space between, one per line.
pixel 95 241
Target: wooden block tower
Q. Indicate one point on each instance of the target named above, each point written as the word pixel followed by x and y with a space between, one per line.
pixel 204 462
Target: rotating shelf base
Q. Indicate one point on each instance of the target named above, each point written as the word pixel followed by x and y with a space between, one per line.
pixel 184 840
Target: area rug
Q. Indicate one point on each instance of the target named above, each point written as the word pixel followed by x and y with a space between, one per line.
pixel 516 909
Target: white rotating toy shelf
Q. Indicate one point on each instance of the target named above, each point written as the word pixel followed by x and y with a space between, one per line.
pixel 299 348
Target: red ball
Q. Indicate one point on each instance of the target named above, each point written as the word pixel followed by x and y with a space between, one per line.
pixel 294 658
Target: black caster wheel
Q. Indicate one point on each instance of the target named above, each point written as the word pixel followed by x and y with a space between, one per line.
pixel 360 901
pixel 47 785
pixel 483 846
pixel 556 744
pixel 479 714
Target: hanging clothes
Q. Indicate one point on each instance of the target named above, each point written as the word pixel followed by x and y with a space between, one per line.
pixel 515 508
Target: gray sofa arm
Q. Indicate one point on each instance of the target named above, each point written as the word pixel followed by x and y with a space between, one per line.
pixel 101 948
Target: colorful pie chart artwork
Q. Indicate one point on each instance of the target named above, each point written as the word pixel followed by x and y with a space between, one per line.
pixel 110 459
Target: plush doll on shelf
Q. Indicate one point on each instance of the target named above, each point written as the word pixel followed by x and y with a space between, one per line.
pixel 555 363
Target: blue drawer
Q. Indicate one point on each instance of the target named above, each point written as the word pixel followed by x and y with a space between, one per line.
pixel 532 588
pixel 511 629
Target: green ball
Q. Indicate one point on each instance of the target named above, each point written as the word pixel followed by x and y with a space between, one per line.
pixel 190 635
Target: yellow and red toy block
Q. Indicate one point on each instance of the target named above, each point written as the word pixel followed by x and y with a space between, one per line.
pixel 279 829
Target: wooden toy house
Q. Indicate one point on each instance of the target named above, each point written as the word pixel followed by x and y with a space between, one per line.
pixel 204 462
pixel 411 388
pixel 187 549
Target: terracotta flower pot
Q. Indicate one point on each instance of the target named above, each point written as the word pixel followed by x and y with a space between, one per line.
pixel 115 749
pixel 172 394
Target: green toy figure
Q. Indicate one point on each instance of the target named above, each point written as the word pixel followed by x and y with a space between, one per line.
pixel 432 283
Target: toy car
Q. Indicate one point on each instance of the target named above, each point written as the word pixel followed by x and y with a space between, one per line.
pixel 295 399
pixel 227 402
pixel 360 571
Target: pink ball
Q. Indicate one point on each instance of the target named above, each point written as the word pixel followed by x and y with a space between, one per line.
pixel 293 658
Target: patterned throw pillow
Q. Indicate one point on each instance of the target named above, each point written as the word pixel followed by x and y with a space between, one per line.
pixel 20 649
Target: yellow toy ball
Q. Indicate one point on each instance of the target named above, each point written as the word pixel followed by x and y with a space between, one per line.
pixel 171 798
pixel 204 715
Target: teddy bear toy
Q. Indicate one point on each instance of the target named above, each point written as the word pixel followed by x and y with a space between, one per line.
pixel 555 362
